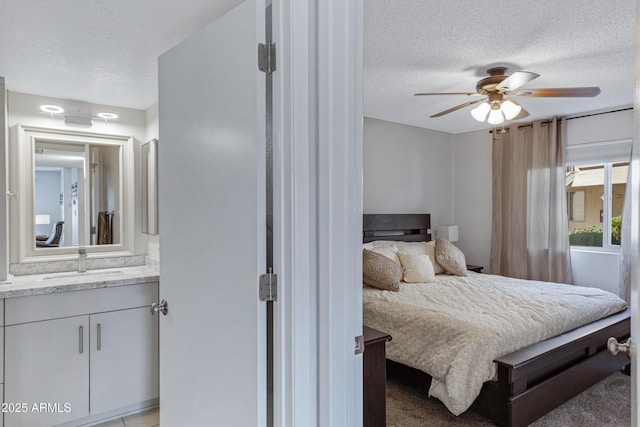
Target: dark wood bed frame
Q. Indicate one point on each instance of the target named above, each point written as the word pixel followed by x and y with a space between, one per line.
pixel 531 381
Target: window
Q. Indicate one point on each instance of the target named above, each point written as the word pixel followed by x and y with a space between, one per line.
pixel 595 197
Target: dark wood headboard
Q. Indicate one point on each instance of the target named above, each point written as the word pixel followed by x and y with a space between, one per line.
pixel 401 227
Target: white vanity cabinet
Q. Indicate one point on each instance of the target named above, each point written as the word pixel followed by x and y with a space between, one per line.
pixel 76 355
pixel 123 370
pixel 47 362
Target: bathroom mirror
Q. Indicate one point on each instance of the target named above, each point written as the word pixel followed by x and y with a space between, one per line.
pixel 71 192
pixel 73 183
pixel 149 170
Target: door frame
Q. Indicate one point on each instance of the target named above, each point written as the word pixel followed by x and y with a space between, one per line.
pixel 318 211
pixel 4 184
pixel 634 171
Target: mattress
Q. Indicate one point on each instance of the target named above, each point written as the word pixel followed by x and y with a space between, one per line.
pixel 453 329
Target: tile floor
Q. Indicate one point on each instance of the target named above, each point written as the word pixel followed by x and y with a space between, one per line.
pixel 150 418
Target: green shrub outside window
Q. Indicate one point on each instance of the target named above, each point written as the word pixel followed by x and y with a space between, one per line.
pixel 592 236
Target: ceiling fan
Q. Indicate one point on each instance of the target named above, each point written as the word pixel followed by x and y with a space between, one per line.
pixel 495 107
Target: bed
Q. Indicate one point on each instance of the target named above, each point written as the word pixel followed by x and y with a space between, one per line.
pixel 526 381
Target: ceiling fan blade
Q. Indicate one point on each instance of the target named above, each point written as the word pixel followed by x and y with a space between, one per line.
pixel 521 115
pixel 516 80
pixel 450 93
pixel 566 92
pixel 458 107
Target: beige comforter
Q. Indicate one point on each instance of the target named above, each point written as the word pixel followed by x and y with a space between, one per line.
pixel 453 329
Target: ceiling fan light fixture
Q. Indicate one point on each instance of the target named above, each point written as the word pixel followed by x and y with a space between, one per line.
pixel 510 109
pixel 495 116
pixel 481 111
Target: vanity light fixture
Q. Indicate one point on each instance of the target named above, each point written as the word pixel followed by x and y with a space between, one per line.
pixel 79 115
pixel 107 116
pixel 51 109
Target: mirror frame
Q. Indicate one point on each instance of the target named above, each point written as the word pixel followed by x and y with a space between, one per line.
pixel 22 177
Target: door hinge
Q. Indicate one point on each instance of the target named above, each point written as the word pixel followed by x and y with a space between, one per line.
pixel 12 195
pixel 359 344
pixel 267 57
pixel 268 285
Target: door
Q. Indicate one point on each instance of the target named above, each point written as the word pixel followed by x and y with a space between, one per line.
pixel 50 366
pixel 211 213
pixel 124 359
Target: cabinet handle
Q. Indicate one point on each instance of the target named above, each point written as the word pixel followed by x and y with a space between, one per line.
pixel 81 339
pixel 99 330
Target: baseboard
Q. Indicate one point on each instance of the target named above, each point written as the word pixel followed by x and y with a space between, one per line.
pixel 113 415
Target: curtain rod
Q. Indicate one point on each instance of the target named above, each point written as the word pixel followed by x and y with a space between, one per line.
pixel 504 130
pixel 520 127
pixel 598 114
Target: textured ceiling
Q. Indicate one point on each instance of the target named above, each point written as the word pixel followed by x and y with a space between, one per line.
pixel 96 51
pixel 446 46
pixel 106 51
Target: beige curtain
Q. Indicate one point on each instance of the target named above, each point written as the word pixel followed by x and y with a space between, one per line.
pixel 530 237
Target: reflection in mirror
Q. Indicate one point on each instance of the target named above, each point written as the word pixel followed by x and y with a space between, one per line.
pixel 76 194
pixel 150 187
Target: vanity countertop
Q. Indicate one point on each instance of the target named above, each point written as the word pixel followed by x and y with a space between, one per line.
pixel 40 284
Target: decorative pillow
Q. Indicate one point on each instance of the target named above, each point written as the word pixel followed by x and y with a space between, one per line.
pixel 412 247
pixel 430 248
pixel 450 257
pixel 417 268
pixel 390 251
pixel 380 272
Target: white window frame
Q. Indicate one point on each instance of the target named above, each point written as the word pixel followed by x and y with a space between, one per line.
pixel 606 153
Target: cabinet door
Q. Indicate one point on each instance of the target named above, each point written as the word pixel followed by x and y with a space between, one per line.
pixel 47 368
pixel 124 359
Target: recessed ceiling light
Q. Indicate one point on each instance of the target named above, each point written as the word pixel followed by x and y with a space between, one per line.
pixel 51 109
pixel 107 116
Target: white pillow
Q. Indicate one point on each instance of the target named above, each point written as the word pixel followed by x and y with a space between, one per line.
pixel 430 248
pixel 377 243
pixel 368 246
pixel 417 268
pixel 412 247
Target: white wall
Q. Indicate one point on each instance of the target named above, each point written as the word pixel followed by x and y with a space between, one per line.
pixel 604 127
pixel 596 269
pixel 408 169
pixel 473 191
pixel 24 109
pixel 152 130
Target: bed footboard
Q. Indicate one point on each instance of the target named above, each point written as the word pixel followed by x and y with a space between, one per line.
pixel 536 379
pixel 539 378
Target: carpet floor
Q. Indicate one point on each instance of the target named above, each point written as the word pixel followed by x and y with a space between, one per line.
pixel 606 404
